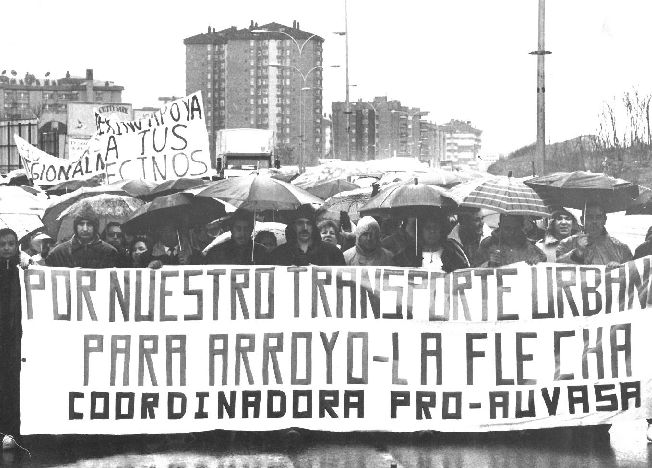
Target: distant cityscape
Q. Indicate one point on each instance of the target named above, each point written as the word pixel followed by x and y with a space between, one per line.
pixel 262 76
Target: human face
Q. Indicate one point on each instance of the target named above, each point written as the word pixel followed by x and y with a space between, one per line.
pixel 8 246
pixel 329 235
pixel 114 236
pixel 471 223
pixel 139 249
pixel 563 225
pixel 168 236
pixel 85 230
pixel 241 231
pixel 594 221
pixel 369 240
pixel 430 233
pixel 269 242
pixel 303 228
pixel 511 228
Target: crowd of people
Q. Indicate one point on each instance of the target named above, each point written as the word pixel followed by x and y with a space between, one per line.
pixel 437 241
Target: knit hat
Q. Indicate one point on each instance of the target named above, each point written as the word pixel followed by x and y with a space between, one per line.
pixel 86 213
pixel 559 211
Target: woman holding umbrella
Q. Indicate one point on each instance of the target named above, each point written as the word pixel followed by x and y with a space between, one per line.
pixel 562 225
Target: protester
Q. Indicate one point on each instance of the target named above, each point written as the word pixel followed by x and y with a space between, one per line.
pixel 173 247
pixel 533 231
pixel 140 252
pixel 645 248
pixel 114 236
pixel 329 232
pixel 10 333
pixel 304 245
pixel 85 249
pixel 42 243
pixel 562 225
pixel 468 232
pixel 240 249
pixel 434 251
pixel 508 244
pixel 367 250
pixel 403 238
pixel 267 239
pixel 594 246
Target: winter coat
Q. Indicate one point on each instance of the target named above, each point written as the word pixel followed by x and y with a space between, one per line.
pixel 452 257
pixel 74 254
pixel 230 253
pixel 10 336
pixel 379 257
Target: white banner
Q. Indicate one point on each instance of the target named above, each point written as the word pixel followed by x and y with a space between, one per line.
pixel 170 144
pixel 339 349
pixel 45 169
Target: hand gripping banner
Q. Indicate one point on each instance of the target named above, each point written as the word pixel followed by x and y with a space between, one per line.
pixel 346 349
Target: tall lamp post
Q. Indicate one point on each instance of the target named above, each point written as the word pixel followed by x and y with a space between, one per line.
pixel 304 77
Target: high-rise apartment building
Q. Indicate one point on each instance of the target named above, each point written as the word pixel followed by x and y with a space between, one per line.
pixel 267 76
pixel 463 142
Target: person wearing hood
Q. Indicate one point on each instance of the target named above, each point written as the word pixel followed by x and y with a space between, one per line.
pixel 645 248
pixel 304 245
pixel 10 332
pixel 85 249
pixel 238 249
pixel 508 244
pixel 562 225
pixel 367 250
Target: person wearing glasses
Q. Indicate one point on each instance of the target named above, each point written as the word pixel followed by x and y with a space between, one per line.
pixel 114 236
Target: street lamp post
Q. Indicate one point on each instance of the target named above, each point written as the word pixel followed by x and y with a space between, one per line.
pixel 304 77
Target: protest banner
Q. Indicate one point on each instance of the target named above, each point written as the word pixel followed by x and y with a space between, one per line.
pixel 171 143
pixel 81 116
pixel 45 169
pixel 78 148
pixel 334 348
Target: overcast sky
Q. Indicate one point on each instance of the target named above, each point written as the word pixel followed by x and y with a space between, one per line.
pixel 465 59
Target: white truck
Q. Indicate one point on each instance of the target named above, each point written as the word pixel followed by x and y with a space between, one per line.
pixel 240 151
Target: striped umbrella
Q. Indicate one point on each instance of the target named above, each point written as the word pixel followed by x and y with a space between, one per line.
pixel 505 195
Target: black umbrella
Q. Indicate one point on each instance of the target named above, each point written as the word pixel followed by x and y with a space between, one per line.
pixel 173 186
pixel 579 188
pixel 177 209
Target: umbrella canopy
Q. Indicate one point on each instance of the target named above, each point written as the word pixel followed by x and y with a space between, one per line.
pixel 259 193
pixel 72 185
pixel 332 187
pixel 439 177
pixel 350 201
pixel 505 195
pixel 107 207
pixel 20 210
pixel 576 189
pixel 174 186
pixel 176 209
pixel 412 198
pixel 57 207
pixel 136 187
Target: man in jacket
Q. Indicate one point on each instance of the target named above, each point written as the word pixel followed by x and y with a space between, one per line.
pixel 85 249
pixel 594 246
pixel 239 249
pixel 304 245
pixel 468 232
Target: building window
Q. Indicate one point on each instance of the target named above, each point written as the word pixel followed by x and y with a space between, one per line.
pixel 210 76
pixel 287 130
pixel 208 47
pixel 10 95
pixel 209 94
pixel 209 57
pixel 23 96
pixel 99 96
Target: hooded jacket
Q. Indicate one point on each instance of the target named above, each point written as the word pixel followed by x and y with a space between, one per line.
pixel 75 254
pixel 357 256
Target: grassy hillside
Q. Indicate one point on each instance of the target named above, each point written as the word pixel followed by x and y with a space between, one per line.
pixel 583 153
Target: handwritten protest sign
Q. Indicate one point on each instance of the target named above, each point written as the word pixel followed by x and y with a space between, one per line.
pixel 341 348
pixel 170 144
pixel 45 169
